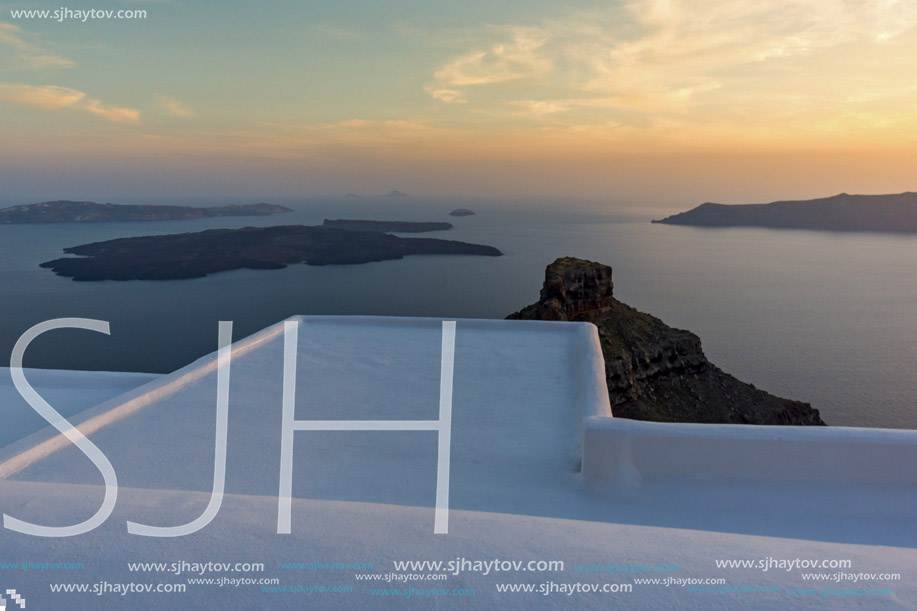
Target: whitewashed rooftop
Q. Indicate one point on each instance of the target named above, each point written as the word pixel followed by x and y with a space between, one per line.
pixel 528 408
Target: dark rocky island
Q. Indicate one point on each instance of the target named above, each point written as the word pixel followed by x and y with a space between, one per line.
pixel 66 211
pixel 886 213
pixel 462 212
pixel 194 255
pixel 653 371
pixel 395 193
pixel 385 226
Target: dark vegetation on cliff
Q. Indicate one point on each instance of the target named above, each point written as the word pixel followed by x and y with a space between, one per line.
pixel 887 213
pixel 90 212
pixel 653 371
pixel 385 226
pixel 193 255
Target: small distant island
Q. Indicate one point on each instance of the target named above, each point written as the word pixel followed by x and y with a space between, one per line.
pixel 67 211
pixel 195 255
pixel 385 226
pixel 462 212
pixel 884 213
pixel 391 194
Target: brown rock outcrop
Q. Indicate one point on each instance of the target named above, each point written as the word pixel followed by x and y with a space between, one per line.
pixel 653 371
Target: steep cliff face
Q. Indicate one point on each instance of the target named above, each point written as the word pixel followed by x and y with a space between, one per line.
pixel 571 289
pixel 653 371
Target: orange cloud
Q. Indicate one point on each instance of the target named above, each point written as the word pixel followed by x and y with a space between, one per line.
pixel 174 108
pixel 51 97
pixel 705 60
pixel 28 56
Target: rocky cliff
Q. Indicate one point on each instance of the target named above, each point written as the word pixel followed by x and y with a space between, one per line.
pixel 653 371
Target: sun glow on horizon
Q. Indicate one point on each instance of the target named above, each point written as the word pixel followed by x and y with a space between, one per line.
pixel 560 89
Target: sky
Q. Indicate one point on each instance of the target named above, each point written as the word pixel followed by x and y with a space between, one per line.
pixel 677 101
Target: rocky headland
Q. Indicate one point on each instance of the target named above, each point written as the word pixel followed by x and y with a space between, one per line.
pixel 66 211
pixel 885 213
pixel 653 371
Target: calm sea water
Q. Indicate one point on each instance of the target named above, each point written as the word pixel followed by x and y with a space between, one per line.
pixel 827 318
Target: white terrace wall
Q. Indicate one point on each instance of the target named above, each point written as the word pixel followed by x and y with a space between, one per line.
pixel 617 451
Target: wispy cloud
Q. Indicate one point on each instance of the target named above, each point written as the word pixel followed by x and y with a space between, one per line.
pixel 446 95
pixel 661 56
pixel 520 56
pixel 540 108
pixel 48 97
pixel 174 108
pixel 51 97
pixel 26 55
pixel 116 114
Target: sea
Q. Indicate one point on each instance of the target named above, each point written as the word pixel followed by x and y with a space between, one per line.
pixel 823 317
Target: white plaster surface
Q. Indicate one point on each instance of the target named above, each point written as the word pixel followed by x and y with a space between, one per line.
pixel 70 391
pixel 525 393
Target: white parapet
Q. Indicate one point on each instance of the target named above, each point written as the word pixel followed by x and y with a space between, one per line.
pixel 629 452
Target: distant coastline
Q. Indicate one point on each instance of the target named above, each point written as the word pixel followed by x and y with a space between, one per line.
pixel 385 226
pixel 395 193
pixel 896 213
pixel 68 211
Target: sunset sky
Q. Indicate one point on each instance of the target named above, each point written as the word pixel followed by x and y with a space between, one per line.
pixel 646 100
